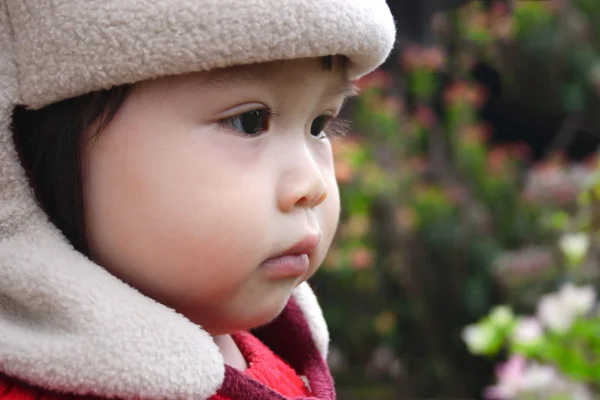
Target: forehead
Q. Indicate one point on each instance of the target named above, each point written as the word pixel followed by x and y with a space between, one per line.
pixel 331 71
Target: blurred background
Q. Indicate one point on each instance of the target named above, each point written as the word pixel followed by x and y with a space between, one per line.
pixel 467 260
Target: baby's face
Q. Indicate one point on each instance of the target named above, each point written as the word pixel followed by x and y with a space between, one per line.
pixel 200 179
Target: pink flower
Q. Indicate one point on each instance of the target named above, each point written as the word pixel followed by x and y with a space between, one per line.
pixel 527 332
pixel 510 376
pixel 426 117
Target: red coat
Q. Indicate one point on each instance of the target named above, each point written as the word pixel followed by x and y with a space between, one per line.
pixel 275 372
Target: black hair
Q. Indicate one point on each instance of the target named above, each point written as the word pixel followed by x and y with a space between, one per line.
pixel 49 143
pixel 328 63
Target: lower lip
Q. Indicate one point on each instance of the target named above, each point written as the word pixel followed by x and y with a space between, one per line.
pixel 286 266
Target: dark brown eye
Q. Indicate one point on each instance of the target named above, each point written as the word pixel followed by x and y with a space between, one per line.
pixel 251 123
pixel 318 125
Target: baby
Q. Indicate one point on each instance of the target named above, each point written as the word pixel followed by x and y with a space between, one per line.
pixel 167 188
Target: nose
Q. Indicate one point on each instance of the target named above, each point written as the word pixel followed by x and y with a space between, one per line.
pixel 303 185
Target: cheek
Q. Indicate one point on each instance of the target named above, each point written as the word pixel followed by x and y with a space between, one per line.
pixel 328 214
pixel 332 206
pixel 164 219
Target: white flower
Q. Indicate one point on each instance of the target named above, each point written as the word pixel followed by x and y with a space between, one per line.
pixel 579 391
pixel 501 316
pixel 527 332
pixel 558 311
pixel 519 380
pixel 553 313
pixel 478 338
pixel 537 378
pixel 575 246
pixel 580 300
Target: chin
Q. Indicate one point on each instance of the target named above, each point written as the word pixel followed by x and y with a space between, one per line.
pixel 263 314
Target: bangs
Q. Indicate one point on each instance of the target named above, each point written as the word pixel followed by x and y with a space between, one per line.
pixel 337 63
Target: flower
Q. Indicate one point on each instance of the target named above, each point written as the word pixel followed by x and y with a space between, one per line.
pixel 393 105
pixel 558 311
pixel 527 332
pixel 553 313
pixel 463 93
pixel 555 183
pixel 509 379
pixel 537 377
pixel 501 316
pixel 475 134
pixel 579 300
pixel 516 379
pixel 478 338
pixel 378 79
pixel 425 117
pixel 433 58
pixel 575 247
pixel 362 258
pixel 343 171
pixel 498 159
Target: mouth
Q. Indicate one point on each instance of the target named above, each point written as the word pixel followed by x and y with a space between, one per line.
pixel 294 262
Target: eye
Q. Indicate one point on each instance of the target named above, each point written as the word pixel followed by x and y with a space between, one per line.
pixel 250 123
pixel 319 124
pixel 329 126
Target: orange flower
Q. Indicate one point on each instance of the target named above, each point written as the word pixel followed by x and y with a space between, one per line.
pixel 433 58
pixel 410 57
pixel 455 93
pixel 461 92
pixel 476 134
pixel 393 105
pixel 343 171
pixel 344 147
pixel 430 58
pixel 476 95
pixel 361 258
pixel 519 150
pixel 425 117
pixel 497 159
pixel 378 79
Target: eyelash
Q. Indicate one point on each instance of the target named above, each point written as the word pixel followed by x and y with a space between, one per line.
pixel 337 127
pixel 334 126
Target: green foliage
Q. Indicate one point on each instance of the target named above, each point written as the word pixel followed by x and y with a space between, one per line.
pixel 438 227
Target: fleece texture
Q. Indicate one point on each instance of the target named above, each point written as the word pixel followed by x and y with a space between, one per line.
pixel 69 47
pixel 65 323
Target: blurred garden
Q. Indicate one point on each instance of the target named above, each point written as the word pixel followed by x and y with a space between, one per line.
pixel 467 260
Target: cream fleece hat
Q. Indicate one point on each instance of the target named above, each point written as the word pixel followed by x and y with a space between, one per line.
pixel 65 323
pixel 64 48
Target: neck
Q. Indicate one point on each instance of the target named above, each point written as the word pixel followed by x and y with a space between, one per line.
pixel 231 352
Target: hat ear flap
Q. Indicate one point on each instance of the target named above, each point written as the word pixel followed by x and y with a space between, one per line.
pixel 16 199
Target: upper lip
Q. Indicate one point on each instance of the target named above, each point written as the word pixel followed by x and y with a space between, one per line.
pixel 305 246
